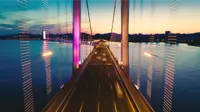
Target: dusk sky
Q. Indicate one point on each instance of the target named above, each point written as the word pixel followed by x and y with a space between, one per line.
pixel 142 20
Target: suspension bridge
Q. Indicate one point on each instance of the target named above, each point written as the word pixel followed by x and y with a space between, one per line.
pixel 100 83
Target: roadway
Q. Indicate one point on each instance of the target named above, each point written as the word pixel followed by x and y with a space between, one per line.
pixel 95 91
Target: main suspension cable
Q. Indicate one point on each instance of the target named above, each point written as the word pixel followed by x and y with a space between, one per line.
pixel 113 20
pixel 89 17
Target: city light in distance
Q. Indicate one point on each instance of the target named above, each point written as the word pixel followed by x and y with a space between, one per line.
pixel 44 35
pixel 49 53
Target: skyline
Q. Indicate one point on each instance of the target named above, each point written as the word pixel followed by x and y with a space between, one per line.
pixel 143 20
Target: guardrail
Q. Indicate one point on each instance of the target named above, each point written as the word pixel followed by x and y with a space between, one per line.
pixel 57 100
pixel 146 102
pixel 136 96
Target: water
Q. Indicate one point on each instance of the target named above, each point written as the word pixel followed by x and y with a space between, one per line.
pixel 48 74
pixel 169 79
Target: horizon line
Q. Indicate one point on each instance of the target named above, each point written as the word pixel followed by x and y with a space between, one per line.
pixel 104 33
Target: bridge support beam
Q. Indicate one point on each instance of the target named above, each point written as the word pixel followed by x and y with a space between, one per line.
pixel 125 32
pixel 76 33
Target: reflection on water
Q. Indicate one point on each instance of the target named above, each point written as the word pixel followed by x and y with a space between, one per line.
pixel 85 51
pixel 139 64
pixel 26 76
pixel 33 72
pixel 116 48
pixel 167 75
pixel 169 78
pixel 47 55
pixel 149 76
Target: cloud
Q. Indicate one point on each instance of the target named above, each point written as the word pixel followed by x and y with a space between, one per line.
pixel 7 26
pixel 37 29
pixel 2 16
pixel 51 28
pixel 12 5
pixel 8 29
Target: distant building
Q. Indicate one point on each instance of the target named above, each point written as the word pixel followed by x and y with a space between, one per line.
pixel 151 38
pixel 167 32
pixel 172 39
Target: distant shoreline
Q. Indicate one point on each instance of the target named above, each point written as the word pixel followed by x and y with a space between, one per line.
pixel 189 44
pixel 190 39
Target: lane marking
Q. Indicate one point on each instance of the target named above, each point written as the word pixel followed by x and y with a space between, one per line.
pixel 64 99
pixel 111 87
pixel 98 109
pixel 130 102
pixel 124 91
pixel 80 110
pixel 68 100
pixel 115 106
pixel 78 78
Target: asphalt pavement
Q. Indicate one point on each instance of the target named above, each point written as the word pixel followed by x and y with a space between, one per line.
pixel 96 89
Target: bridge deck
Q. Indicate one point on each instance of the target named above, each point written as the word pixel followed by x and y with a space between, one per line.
pixel 95 88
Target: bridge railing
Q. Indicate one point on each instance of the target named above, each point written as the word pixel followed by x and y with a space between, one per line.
pixel 57 101
pixel 135 95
